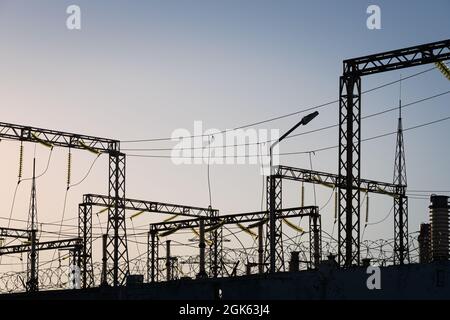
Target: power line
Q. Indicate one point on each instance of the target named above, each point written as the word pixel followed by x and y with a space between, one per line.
pixel 297 134
pixel 295 152
pixel 282 116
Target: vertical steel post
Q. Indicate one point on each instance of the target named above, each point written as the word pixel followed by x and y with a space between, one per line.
pixel 104 280
pixel 153 256
pixel 168 264
pixel 349 168
pixel 274 240
pixel 85 233
pixel 201 245
pixel 272 221
pixel 117 240
pixel 316 240
pixel 32 284
pixel 260 248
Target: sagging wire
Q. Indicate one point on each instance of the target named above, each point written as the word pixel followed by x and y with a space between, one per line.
pixel 329 200
pixel 171 218
pixel 98 218
pixel 69 179
pixel 262 173
pixel 302 200
pixel 336 210
pixel 69 176
pixel 293 226
pixel 263 190
pixel 248 231
pixel 20 175
pixel 382 220
pixel 311 168
pixel 197 236
pixel 135 236
pixel 366 221
pixel 19 179
pixel 237 238
pixel 208 170
pixel 87 173
pixel 315 107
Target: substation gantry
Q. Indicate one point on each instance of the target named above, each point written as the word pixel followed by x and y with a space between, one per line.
pixel 315 177
pixel 139 206
pixel 348 183
pixel 349 180
pixel 117 253
pixel 32 246
pixel 259 219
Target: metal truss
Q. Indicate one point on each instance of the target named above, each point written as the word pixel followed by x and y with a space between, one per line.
pixel 85 222
pixel 234 219
pixel 274 257
pixel 152 255
pixel 41 246
pixel 117 250
pixel 85 233
pixel 216 224
pixel 32 283
pixel 401 247
pixel 332 180
pixel 350 132
pixel 349 170
pixel 216 246
pixel 117 245
pixel 57 138
pixel 149 206
pixel 315 239
pixel 398 59
pixel 14 233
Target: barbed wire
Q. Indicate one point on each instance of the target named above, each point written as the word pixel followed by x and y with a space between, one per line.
pixel 380 252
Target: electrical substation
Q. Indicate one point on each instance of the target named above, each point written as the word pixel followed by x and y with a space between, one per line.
pixel 320 267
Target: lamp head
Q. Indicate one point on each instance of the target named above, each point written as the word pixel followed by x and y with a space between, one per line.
pixel 308 118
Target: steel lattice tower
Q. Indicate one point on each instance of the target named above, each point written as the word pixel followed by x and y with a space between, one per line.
pixel 401 248
pixel 349 164
pixel 32 258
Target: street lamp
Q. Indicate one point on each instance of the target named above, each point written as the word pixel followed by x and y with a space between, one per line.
pixel 305 120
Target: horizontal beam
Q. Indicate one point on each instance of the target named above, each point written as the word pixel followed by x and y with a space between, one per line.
pixel 332 180
pixel 41 246
pixel 398 59
pixel 150 206
pixel 57 138
pixel 14 233
pixel 235 218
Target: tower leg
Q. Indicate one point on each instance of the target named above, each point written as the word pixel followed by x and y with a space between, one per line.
pixel 349 170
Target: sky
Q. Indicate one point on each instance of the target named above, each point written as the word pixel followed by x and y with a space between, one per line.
pixel 143 69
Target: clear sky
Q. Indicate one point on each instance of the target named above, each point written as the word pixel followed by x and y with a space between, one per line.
pixel 142 69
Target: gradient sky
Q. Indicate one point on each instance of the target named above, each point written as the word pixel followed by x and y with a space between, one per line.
pixel 140 70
